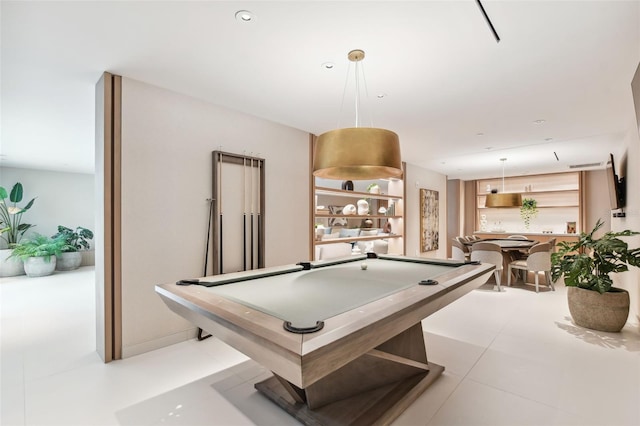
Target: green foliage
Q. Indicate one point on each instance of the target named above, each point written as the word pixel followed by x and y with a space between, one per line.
pixel 74 240
pixel 39 246
pixel 588 262
pixel 528 210
pixel 11 227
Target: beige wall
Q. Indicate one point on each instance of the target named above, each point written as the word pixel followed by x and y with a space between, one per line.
pixel 421 178
pixel 596 199
pixel 631 279
pixel 167 140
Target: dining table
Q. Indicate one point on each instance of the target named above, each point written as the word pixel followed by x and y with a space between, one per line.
pixel 512 249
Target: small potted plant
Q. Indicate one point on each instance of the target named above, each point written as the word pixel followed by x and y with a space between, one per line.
pixel 75 241
pixel 586 267
pixel 11 228
pixel 528 211
pixel 39 254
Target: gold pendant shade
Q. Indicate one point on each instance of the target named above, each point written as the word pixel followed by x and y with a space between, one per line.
pixel 357 153
pixel 503 200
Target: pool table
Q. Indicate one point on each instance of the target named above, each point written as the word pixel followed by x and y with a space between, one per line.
pixel 343 338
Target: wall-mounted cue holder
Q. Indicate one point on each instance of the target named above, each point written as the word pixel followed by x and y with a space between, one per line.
pixel 238 213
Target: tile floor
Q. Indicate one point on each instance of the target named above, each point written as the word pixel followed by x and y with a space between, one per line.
pixel 512 358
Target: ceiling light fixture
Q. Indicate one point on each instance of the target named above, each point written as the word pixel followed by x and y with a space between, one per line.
pixel 503 199
pixel 244 16
pixel 538 121
pixel 328 65
pixel 357 153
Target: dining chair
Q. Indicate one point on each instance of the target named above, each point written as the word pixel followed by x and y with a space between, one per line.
pixel 552 244
pixel 459 251
pixel 539 260
pixel 489 253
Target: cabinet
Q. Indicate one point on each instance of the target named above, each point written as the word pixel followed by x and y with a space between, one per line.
pixel 558 197
pixel 381 229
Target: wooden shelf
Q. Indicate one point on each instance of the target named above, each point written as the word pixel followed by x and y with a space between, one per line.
pixel 352 239
pixel 540 207
pixel 356 216
pixel 355 194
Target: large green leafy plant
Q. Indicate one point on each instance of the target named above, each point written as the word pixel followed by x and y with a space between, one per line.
pixel 39 246
pixel 11 227
pixel 588 262
pixel 75 239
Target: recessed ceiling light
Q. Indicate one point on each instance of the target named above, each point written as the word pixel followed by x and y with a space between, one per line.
pixel 480 134
pixel 548 139
pixel 538 121
pixel 489 148
pixel 381 95
pixel 328 65
pixel 245 16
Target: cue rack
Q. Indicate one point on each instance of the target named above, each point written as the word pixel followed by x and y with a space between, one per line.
pixel 237 213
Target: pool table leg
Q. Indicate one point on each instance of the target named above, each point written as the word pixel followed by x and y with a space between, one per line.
pixel 372 389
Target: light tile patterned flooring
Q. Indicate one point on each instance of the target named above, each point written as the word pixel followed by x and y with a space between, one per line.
pixel 511 358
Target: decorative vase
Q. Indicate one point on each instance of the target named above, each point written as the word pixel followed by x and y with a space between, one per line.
pixel 363 207
pixel 367 223
pixel 69 261
pixel 10 267
pixel 349 209
pixel 38 267
pixel 373 189
pixel 347 185
pixel 604 312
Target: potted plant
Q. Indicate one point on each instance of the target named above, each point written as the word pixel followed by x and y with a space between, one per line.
pixel 75 240
pixel 39 254
pixel 586 266
pixel 528 211
pixel 11 228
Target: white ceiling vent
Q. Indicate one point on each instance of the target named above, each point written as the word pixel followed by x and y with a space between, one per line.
pixel 584 166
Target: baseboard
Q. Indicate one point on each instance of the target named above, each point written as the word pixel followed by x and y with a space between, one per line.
pixel 151 345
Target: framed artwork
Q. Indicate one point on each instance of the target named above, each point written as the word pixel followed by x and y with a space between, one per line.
pixel 429 220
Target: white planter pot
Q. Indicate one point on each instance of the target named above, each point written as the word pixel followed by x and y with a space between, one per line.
pixel 10 267
pixel 38 267
pixel 69 261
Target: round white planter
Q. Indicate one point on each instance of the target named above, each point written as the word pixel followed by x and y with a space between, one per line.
pixel 69 261
pixel 10 267
pixel 38 267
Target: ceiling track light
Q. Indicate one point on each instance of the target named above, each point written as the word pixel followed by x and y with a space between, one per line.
pixel 486 18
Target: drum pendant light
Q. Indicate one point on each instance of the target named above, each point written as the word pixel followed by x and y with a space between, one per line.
pixel 503 199
pixel 357 153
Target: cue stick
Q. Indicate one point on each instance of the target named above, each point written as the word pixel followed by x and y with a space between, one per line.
pixel 244 213
pixel 206 248
pixel 252 199
pixel 259 212
pixel 220 205
pixel 206 256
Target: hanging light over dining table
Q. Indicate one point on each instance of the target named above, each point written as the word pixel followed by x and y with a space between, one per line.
pixel 503 199
pixel 357 153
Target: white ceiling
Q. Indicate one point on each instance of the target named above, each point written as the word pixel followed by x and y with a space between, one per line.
pixel 569 63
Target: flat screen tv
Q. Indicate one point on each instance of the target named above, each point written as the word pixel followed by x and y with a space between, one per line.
pixel 616 186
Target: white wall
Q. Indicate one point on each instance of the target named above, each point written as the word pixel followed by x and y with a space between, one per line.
pixel 61 199
pixel 167 141
pixel 416 179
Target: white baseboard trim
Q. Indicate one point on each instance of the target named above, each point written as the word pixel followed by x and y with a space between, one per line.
pixel 151 345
